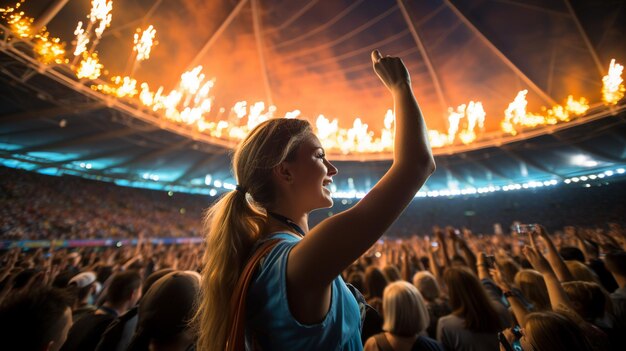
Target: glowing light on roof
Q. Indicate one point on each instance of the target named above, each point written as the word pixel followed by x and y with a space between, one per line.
pixel 144 42
pixel 90 67
pixel 583 160
pixel 612 87
pixel 190 103
pixel 293 114
pixel 537 185
pixel 120 87
pixel 50 50
pixel 516 116
pixel 20 24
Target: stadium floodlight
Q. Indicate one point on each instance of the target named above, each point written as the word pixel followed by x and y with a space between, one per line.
pixel 583 160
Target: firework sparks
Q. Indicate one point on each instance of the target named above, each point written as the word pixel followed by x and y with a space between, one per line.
pixel 475 117
pixel 50 50
pixel 516 115
pixel 120 87
pixel 90 67
pixel 144 42
pixel 82 39
pixel 20 24
pixel 612 87
pixel 101 12
pixel 191 103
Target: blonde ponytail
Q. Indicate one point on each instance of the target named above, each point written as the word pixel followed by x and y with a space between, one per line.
pixel 233 226
pixel 237 221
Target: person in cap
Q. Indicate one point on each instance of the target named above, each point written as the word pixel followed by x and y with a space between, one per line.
pixel 123 293
pixel 83 288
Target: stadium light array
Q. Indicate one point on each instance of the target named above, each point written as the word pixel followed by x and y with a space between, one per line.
pixel 220 186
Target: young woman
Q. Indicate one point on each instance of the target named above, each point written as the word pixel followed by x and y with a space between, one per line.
pixel 297 301
pixel 475 320
pixel 550 331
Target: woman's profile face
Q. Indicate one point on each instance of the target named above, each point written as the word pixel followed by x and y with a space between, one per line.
pixel 312 174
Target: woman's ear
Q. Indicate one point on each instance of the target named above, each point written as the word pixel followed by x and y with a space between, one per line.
pixel 283 173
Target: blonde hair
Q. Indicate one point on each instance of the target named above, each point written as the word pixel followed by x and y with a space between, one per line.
pixel 236 222
pixel 404 311
pixel 533 286
pixel 427 285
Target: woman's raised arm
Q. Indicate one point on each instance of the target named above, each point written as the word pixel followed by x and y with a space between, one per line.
pixel 336 242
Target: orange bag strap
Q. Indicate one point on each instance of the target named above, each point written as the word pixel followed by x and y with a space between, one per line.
pixel 236 338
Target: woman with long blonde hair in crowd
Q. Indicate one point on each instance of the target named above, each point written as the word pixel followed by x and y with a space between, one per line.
pixel 297 299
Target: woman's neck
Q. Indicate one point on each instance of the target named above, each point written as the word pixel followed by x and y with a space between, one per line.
pixel 284 216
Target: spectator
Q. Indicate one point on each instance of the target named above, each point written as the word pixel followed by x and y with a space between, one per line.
pixel 83 288
pixel 616 264
pixel 164 325
pixel 357 279
pixel 375 283
pixel 405 320
pixel 533 287
pixel 570 253
pixel 36 319
pixel 591 302
pixel 122 294
pixel 581 272
pixel 436 303
pixel 475 319
pixel 391 273
pixel 120 332
pixel 551 331
pixel 588 300
pixel 280 165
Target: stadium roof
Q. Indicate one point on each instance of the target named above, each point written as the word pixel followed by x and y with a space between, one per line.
pixel 481 50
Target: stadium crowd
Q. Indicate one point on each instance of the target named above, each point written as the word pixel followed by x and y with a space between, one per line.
pixel 36 206
pixel 453 290
pixel 332 287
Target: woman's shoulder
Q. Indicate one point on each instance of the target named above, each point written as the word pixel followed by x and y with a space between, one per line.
pixel 371 345
pixel 425 343
pixel 451 321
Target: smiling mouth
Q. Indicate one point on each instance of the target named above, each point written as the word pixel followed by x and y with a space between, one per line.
pixel 326 183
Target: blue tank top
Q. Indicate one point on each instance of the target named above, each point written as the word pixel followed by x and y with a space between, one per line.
pixel 271 322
